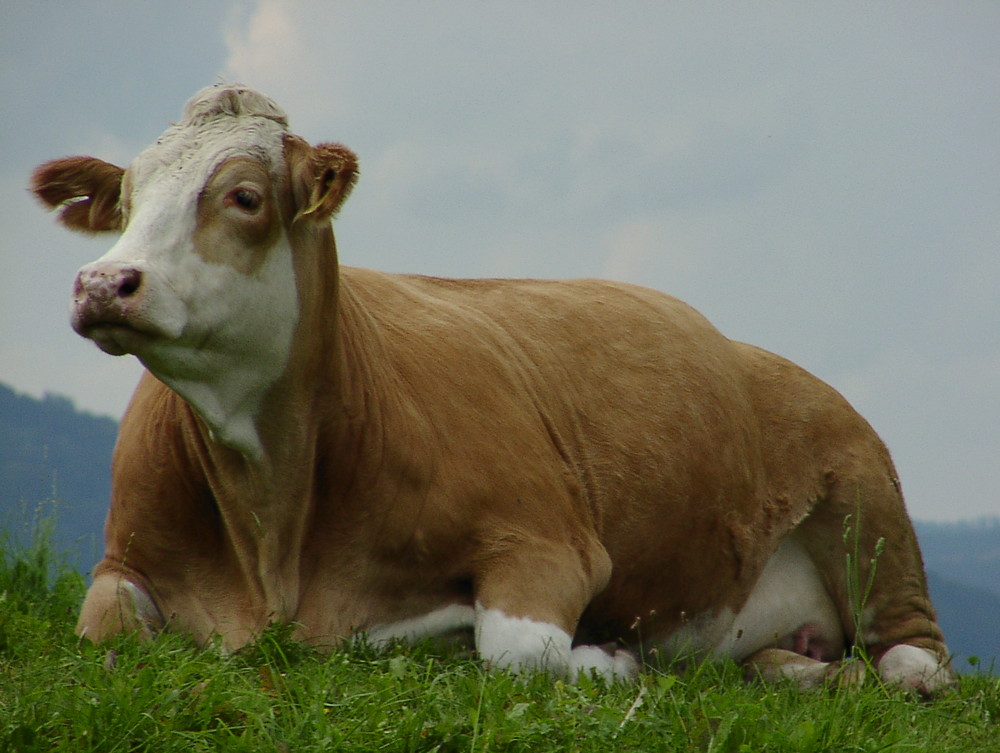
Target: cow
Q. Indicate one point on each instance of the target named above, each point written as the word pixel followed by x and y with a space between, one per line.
pixel 581 474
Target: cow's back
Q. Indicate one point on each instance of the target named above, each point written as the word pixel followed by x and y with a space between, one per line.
pixel 655 417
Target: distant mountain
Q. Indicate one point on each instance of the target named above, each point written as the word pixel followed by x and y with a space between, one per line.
pixel 56 460
pixel 963 570
pixel 970 619
pixel 967 552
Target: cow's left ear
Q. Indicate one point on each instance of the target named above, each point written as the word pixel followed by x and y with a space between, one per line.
pixel 85 190
pixel 323 177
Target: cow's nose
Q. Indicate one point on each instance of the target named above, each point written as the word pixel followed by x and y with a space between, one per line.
pixel 106 293
pixel 105 283
pixel 128 282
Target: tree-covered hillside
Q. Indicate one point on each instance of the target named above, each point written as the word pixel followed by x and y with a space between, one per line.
pixel 963 569
pixel 967 552
pixel 55 460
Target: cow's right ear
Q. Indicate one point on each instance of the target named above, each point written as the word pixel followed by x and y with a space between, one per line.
pixel 322 175
pixel 85 190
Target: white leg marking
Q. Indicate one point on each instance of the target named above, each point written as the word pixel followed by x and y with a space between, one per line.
pixel 522 644
pixel 438 622
pixel 913 668
pixel 788 595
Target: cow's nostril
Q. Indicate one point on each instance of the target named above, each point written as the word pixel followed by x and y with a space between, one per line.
pixel 129 283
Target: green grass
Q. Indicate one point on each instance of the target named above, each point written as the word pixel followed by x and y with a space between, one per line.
pixel 58 694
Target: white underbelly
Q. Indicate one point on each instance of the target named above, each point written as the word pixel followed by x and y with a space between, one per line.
pixel 788 596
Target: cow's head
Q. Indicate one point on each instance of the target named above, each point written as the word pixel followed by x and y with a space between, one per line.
pixel 206 283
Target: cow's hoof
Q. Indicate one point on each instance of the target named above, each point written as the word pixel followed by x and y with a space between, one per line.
pixel 850 673
pixel 915 670
pixel 776 665
pixel 614 665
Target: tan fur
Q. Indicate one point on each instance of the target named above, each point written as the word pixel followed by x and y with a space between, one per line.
pixel 256 236
pixel 588 454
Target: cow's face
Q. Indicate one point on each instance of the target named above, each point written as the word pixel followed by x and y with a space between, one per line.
pixel 201 285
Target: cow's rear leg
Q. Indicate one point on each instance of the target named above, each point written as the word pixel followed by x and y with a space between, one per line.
pixel 865 549
pixel 528 602
pixel 778 665
pixel 789 627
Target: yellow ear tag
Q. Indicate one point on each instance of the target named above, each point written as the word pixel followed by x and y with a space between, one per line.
pixel 321 192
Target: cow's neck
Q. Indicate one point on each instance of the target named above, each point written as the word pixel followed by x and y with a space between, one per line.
pixel 223 407
pixel 266 498
pixel 265 504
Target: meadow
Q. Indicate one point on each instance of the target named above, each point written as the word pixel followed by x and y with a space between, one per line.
pixel 60 694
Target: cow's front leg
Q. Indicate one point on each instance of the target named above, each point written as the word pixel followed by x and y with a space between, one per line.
pixel 528 603
pixel 115 604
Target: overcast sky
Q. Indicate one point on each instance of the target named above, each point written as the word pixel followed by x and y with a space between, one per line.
pixel 820 179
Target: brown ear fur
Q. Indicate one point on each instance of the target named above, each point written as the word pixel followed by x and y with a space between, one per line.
pixel 323 177
pixel 85 190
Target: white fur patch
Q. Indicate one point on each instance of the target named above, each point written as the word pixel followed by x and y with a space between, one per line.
pixel 224 337
pixel 247 324
pixel 439 622
pixel 788 594
pixel 522 644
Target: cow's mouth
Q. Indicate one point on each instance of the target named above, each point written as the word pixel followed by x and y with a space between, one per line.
pixel 116 338
pixel 115 327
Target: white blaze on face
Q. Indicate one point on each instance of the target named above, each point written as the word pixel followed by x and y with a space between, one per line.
pixel 217 307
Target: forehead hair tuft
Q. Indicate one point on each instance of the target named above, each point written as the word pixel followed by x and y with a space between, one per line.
pixel 233 100
pixel 218 123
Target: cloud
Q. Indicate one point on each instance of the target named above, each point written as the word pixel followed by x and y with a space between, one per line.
pixel 264 45
pixel 937 415
pixel 819 180
pixel 635 243
pixel 298 53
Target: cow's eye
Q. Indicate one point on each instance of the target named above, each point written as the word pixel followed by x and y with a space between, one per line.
pixel 245 199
